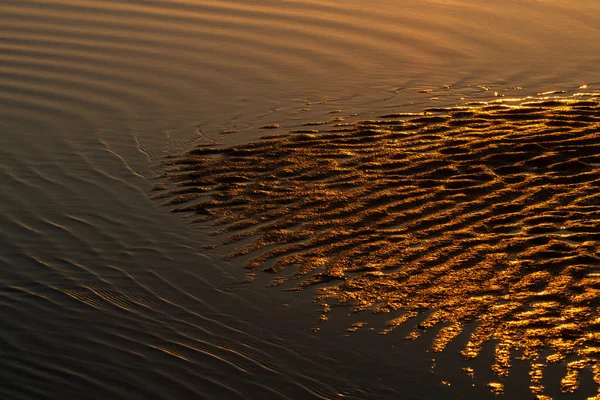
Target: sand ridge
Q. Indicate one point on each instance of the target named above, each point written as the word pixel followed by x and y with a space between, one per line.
pixel 484 212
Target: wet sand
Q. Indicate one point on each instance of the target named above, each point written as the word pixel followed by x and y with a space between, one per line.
pixel 483 212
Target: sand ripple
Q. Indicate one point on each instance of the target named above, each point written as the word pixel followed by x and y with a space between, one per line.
pixel 484 213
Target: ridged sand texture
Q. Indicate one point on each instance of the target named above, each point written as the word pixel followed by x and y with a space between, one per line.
pixel 486 213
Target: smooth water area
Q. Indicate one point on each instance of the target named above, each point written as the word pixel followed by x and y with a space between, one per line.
pixel 105 294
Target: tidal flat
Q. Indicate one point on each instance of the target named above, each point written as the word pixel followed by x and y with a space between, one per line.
pixel 396 167
pixel 485 212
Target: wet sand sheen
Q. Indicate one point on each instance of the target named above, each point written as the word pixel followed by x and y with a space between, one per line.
pixel 485 212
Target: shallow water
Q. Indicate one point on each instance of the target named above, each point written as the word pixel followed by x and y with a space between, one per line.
pixel 483 214
pixel 103 293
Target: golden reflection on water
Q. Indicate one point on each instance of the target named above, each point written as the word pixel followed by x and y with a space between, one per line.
pixel 486 213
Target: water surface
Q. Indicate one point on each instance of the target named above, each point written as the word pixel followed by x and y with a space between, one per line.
pixel 105 294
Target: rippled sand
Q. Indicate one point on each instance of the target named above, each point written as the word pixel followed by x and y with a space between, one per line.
pixel 485 213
